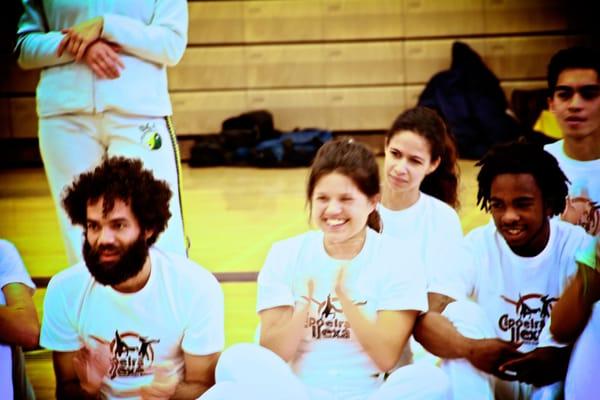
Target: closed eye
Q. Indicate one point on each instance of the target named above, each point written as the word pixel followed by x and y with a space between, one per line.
pixel 396 153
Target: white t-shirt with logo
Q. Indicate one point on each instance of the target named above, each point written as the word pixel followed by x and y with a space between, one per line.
pixel 582 375
pixel 12 270
pixel 432 225
pixel 516 292
pixel 180 309
pixel 385 275
pixel 583 203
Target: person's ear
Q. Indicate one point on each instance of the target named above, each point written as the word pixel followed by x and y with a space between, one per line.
pixel 373 200
pixel 434 165
pixel 148 234
pixel 551 103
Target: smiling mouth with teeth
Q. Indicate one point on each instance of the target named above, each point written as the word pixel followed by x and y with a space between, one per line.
pixel 513 231
pixel 335 222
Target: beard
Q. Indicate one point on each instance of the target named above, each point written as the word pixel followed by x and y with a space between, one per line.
pixel 129 264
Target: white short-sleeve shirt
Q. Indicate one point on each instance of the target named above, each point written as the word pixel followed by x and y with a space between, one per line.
pixel 432 225
pixel 180 309
pixel 516 292
pixel 12 270
pixel 385 275
pixel 583 203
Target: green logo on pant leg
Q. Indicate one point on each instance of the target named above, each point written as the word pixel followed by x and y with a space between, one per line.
pixel 150 137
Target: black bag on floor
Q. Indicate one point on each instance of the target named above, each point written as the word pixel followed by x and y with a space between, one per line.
pixel 235 138
pixel 291 149
pixel 260 122
pixel 208 151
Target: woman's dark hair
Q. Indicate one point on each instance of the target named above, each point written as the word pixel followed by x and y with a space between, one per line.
pixel 443 182
pixel 350 159
pixel 120 178
pixel 521 157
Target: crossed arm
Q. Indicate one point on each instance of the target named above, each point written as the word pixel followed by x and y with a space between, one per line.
pixel 494 356
pixel 161 40
pixel 439 336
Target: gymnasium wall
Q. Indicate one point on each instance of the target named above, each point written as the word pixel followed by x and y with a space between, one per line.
pixel 345 65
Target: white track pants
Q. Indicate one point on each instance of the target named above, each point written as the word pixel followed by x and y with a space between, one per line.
pixel 250 372
pixel 74 143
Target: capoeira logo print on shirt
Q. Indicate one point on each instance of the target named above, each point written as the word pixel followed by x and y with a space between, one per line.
pixel 582 211
pixel 528 319
pixel 132 355
pixel 150 136
pixel 330 321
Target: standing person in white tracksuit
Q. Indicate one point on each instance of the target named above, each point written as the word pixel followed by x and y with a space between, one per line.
pixel 337 304
pixel 103 92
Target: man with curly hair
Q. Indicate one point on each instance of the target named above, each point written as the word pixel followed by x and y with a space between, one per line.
pixel 489 316
pixel 130 320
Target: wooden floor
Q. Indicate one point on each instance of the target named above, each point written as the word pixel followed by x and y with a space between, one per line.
pixel 232 216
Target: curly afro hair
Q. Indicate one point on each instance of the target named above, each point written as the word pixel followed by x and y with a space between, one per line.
pixel 125 179
pixel 521 157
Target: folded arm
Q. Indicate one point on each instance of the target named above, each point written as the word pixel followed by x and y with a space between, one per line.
pixel 162 41
pixel 36 44
pixel 439 336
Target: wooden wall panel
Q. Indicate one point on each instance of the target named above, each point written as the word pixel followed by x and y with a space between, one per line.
pixel 337 64
pixel 5 120
pixel 364 108
pixel 364 63
pixel 203 112
pixel 282 21
pixel 425 58
pixel 359 19
pixel 522 16
pixel 13 79
pixel 426 18
pixel 203 68
pixel 291 108
pixel 522 57
pixel 216 22
pixel 24 119
pixel 285 66
pixel 411 95
pixel 509 87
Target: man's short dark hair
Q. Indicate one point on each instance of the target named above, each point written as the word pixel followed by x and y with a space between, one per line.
pixel 523 158
pixel 120 178
pixel 570 58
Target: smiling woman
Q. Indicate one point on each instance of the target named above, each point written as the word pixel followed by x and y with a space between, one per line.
pixel 335 304
pixel 343 190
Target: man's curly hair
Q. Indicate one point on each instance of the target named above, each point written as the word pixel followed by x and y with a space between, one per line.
pixel 125 179
pixel 521 157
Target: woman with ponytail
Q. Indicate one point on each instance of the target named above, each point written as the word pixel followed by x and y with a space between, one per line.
pixel 336 304
pixel 419 194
